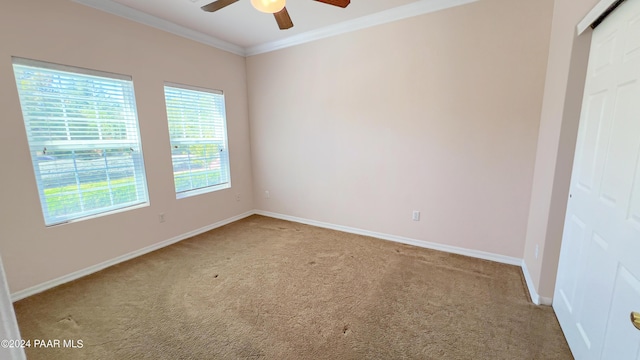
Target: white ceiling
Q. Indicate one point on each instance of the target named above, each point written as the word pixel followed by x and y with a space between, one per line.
pixel 241 29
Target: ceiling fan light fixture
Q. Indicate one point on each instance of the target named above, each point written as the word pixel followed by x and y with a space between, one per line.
pixel 268 6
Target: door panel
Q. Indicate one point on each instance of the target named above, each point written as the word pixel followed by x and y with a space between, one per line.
pixel 599 270
pixel 598 283
pixel 586 163
pixel 617 173
pixel 569 279
pixel 623 344
pixel 603 56
pixel 633 214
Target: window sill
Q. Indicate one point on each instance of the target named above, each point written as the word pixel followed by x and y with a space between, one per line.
pixel 209 189
pixel 101 214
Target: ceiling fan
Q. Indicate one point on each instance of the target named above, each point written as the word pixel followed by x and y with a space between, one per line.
pixel 275 7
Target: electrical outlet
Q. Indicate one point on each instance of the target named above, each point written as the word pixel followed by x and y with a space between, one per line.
pixel 266 194
pixel 536 253
pixel 161 217
pixel 237 197
pixel 416 215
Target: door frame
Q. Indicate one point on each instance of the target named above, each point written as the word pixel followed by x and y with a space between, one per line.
pixel 8 324
pixel 563 164
pixel 597 280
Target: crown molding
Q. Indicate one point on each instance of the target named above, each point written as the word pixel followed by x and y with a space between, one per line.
pixel 126 12
pixel 419 7
pixel 402 12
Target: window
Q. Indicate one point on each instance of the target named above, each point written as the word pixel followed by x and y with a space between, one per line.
pixel 197 128
pixel 83 134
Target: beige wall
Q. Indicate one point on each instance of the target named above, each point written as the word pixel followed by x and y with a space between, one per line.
pixel 63 32
pixel 568 58
pixel 437 113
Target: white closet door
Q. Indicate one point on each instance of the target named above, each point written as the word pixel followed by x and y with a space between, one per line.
pixel 598 284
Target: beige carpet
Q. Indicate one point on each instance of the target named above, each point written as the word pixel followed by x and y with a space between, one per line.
pixel 266 288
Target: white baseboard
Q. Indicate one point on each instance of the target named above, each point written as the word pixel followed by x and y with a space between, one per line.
pixel 538 300
pixel 535 298
pixel 18 295
pixel 399 239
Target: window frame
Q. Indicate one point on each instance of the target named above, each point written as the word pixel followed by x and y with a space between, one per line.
pixel 223 143
pixel 131 127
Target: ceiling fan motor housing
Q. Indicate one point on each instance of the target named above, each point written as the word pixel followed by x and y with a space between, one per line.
pixel 275 7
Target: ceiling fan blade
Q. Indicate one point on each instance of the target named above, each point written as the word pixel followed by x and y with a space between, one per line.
pixel 283 19
pixel 340 3
pixel 217 5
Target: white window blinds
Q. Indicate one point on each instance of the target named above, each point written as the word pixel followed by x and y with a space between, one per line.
pixel 197 128
pixel 83 134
